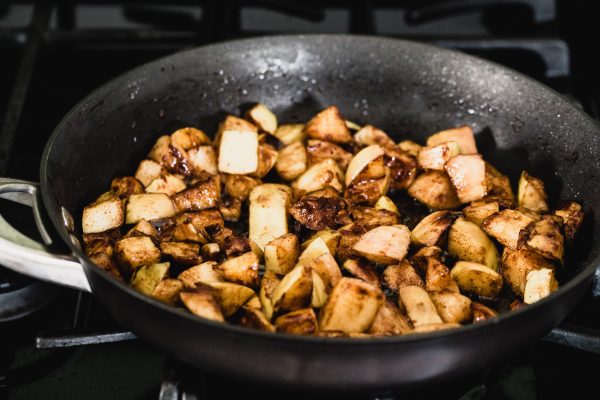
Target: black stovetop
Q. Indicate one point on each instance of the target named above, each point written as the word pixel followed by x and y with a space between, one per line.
pixel 52 55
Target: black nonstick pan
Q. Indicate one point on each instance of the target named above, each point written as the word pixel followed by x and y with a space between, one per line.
pixel 410 90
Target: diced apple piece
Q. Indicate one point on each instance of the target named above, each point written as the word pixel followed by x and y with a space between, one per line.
pixel 267 158
pixel 202 195
pixel 189 137
pixel 319 150
pixel 143 228
pixel 241 269
pixel 435 190
pixel 368 191
pixel 254 318
pixel 268 212
pixel 390 321
pixel 384 244
pixel 292 161
pixel 435 157
pixel 148 206
pixel 467 173
pixel 167 184
pixel 103 215
pixel 328 269
pixel 352 306
pixel 290 133
pixel 410 147
pixel 181 253
pixel 539 284
pixel 418 306
pixel 210 251
pixel 254 303
pixel 421 258
pixel 146 278
pixel 399 275
pixel 233 123
pixel 477 279
pixel 368 135
pixel 402 166
pixel 147 171
pixel 231 296
pixel 319 291
pixel 361 160
pixel 319 176
pixel 328 125
pixel 203 159
pixel 545 237
pixel 505 226
pixel 531 193
pixel 294 291
pixel 331 238
pixel 468 242
pixel 353 126
pixel 172 157
pixel 263 118
pixel 572 217
pixel 478 211
pixel 438 277
pixel 481 312
pixel 238 152
pixel 298 322
pixel 498 187
pixel 362 270
pixel 268 284
pixel 125 186
pixel 201 302
pixel 462 135
pixel 372 217
pixel 517 264
pixel 168 291
pixel 133 252
pixel 452 306
pixel 385 203
pixel 350 234
pixel 430 230
pixel 240 186
pixel 281 253
pixel 201 273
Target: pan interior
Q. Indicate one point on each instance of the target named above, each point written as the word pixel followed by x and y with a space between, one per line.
pixel 408 90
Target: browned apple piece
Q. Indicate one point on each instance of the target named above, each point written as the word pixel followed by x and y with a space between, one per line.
pixel 298 322
pixel 368 135
pixel 462 135
pixel 201 302
pixel 467 173
pixel 505 226
pixel 352 306
pixel 319 150
pixel 328 125
pixel 435 190
pixel 362 270
pixel 242 269
pixel 384 244
pixel 431 229
pixel 399 275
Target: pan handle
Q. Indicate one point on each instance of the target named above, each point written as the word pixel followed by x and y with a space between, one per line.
pixel 28 257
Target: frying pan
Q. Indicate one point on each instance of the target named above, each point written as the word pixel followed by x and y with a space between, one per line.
pixel 410 90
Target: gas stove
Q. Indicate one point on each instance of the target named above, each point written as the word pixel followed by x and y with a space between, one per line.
pixel 59 343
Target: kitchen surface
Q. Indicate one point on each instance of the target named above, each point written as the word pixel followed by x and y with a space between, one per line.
pixel 58 343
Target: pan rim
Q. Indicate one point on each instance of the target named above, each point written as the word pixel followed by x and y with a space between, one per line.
pixel 584 274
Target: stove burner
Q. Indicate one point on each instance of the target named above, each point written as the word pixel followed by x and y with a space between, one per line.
pixel 21 296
